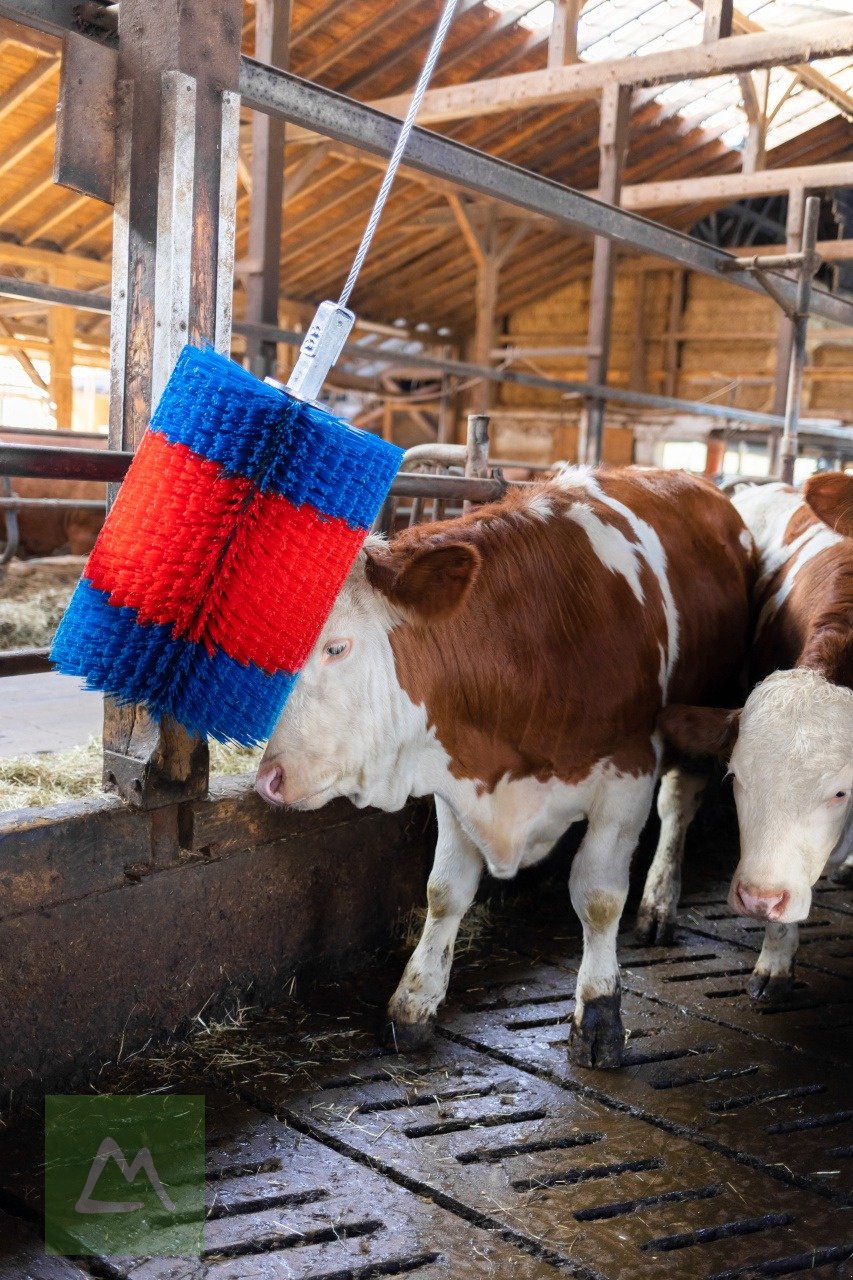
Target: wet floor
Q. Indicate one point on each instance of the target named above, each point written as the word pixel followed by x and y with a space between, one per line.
pixel 722 1148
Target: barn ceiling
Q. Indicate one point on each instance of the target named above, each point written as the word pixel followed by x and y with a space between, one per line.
pixel 420 269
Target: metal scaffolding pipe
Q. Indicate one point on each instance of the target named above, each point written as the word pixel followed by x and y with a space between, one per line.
pixel 54 296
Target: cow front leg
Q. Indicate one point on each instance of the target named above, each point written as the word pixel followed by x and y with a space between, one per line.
pixel 451 889
pixel 773 975
pixel 678 800
pixel 598 886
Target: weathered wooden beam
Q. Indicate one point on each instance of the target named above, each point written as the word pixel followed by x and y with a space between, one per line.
pixel 33 79
pixel 718 19
pixel 522 90
pixel 60 327
pixel 613 145
pixel 563 36
pixel 806 75
pixel 47 259
pixel 20 149
pixel 272 31
pixel 84 151
pixel 724 188
pixel 19 351
pixel 28 38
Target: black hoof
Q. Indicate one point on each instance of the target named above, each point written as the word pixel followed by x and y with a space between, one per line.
pixel 599 1039
pixel 406 1037
pixel 654 931
pixel 774 988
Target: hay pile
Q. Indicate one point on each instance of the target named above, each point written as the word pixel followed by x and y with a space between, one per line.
pixel 29 781
pixel 33 596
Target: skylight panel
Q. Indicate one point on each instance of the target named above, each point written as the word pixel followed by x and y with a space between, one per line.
pixel 611 29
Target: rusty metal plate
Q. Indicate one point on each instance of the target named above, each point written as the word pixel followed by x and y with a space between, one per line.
pixel 84 159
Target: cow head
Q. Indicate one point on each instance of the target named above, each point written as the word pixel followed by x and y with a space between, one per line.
pixel 830 496
pixel 349 729
pixel 790 753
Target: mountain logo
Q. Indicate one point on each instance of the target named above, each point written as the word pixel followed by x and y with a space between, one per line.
pixel 124 1175
pixel 110 1150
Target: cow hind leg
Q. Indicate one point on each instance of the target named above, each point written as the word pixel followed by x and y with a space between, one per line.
pixel 773 975
pixel 678 800
pixel 451 890
pixel 598 886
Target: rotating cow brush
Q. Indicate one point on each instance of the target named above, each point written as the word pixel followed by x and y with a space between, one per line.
pixel 223 553
pixel 238 520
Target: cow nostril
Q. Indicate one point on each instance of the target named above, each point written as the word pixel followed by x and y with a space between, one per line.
pixel 764 906
pixel 780 906
pixel 267 784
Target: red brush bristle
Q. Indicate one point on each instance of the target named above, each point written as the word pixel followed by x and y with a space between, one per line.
pixel 226 565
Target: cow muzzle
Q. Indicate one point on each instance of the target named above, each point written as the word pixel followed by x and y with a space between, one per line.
pixel 759 903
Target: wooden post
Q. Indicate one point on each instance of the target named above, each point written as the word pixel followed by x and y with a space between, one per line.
pixel 173 228
pixel 481 239
pixel 673 341
pixel 718 19
pixel 272 38
pixel 488 266
pixel 637 375
pixel 446 405
pixel 785 331
pixel 61 326
pixel 563 39
pixel 755 106
pixel 613 144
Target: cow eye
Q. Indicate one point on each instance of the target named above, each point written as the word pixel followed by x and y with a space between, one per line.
pixel 336 649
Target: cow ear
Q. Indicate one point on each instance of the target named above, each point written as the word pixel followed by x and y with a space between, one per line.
pixel 830 496
pixel 700 731
pixel 427 583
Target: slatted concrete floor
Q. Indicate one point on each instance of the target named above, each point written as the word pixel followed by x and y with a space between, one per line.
pixel 723 1148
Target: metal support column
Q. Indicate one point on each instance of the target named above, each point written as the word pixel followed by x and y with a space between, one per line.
pixel 175 192
pixel 808 266
pixel 272 39
pixel 613 144
pixel 785 332
pixel 476 451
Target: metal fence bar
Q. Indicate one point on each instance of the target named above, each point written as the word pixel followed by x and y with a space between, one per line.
pixel 54 296
pixel 52 504
pixel 24 662
pixel 49 463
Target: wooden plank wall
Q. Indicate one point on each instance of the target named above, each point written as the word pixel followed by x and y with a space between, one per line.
pixel 119 925
pixel 717 344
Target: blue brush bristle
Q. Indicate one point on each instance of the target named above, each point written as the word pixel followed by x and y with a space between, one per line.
pixel 209 694
pixel 224 413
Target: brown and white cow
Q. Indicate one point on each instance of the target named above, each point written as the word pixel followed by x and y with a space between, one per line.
pixel 512 663
pixel 44 530
pixel 791 746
